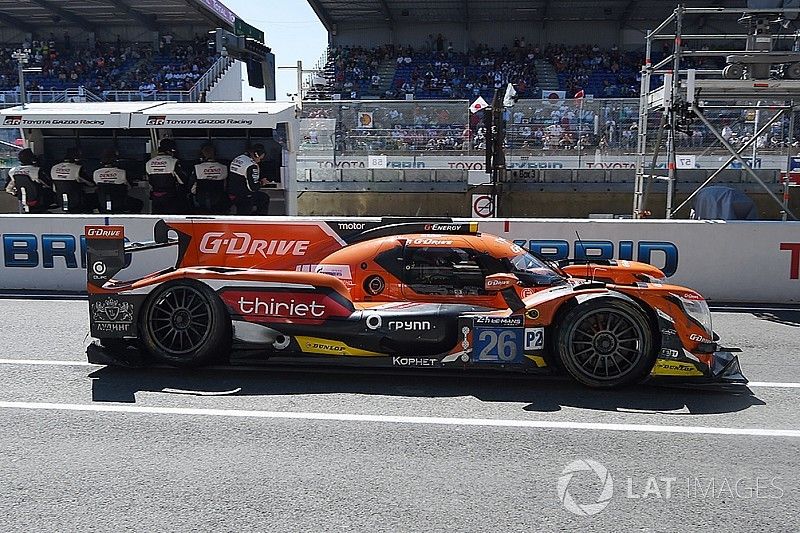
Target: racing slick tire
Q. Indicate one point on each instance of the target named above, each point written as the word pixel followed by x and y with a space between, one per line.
pixel 606 343
pixel 184 323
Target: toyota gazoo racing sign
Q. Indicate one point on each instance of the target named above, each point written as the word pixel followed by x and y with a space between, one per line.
pixel 41 120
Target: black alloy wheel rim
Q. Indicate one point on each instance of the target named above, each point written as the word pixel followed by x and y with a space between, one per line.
pixel 180 320
pixel 606 344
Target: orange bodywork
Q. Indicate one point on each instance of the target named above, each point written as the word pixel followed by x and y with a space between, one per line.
pixel 311 257
pixel 622 273
pixel 233 275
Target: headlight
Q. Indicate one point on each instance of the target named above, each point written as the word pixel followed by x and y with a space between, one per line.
pixel 698 310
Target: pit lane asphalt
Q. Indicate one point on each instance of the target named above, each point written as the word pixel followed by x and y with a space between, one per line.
pixel 179 463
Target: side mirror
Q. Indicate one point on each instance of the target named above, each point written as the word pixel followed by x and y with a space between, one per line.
pixel 500 282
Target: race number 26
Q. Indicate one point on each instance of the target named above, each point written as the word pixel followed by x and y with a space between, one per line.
pixel 498 345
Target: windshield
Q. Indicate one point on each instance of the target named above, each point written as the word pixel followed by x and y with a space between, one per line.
pixel 533 270
pixel 527 262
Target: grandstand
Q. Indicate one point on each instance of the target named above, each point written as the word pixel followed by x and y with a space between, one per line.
pixel 398 77
pixel 445 50
pixel 468 48
pixel 111 50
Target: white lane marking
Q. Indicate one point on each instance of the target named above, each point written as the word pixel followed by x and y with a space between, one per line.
pixel 390 419
pixel 773 384
pixel 753 310
pixel 44 362
pixel 202 393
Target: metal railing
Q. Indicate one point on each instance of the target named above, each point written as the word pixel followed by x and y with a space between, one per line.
pixel 208 80
pixel 66 95
pixel 78 95
pixel 147 96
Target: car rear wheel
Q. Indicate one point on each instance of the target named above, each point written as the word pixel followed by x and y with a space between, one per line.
pixel 184 323
pixel 606 343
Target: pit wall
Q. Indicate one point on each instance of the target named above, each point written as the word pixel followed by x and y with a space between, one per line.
pixel 740 262
pixel 573 202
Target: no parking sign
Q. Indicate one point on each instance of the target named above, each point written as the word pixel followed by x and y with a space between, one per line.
pixel 482 206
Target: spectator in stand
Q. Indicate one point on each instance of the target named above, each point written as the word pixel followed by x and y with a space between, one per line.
pixel 436 71
pixel 104 67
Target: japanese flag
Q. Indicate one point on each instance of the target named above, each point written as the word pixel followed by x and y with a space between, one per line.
pixel 478 105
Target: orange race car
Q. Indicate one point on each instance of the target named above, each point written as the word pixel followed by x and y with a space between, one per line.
pixel 396 293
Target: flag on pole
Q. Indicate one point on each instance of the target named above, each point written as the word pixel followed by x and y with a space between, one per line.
pixel 511 96
pixel 580 94
pixel 478 105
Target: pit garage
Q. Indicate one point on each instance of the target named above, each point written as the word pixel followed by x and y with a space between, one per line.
pixel 134 129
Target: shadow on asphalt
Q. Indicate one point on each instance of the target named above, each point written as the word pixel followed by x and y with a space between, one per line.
pixel 787 318
pixel 111 384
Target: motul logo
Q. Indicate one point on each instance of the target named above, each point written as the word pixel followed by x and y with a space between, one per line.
pixel 215 242
pixel 105 232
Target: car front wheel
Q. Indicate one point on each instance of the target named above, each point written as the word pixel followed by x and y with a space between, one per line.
pixel 606 343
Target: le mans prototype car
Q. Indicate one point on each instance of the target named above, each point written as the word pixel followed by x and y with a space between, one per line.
pixel 395 293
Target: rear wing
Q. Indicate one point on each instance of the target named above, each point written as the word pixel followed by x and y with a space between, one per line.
pixel 105 254
pixel 107 250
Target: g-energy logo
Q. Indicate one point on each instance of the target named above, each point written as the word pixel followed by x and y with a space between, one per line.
pixel 443 227
pixel 215 242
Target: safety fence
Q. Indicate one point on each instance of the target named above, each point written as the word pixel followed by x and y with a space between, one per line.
pixel 581 130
